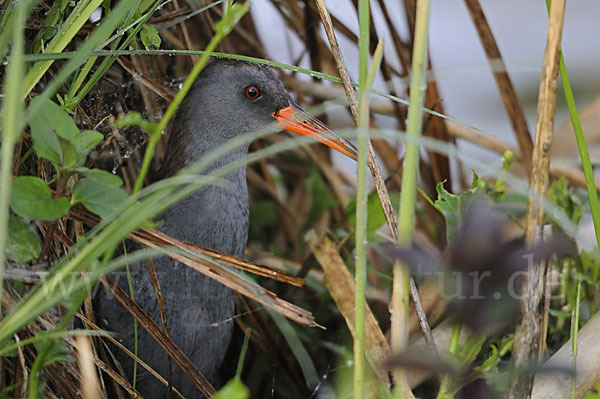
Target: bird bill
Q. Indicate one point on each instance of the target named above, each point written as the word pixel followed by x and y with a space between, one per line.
pixel 295 119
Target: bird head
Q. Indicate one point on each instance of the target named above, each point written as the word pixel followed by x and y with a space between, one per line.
pixel 247 97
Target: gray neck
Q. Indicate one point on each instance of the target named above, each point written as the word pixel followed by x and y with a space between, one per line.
pixel 216 216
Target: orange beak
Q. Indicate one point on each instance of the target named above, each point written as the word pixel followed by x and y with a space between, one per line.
pixel 295 119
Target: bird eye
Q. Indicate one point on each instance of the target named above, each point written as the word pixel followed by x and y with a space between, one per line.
pixel 252 92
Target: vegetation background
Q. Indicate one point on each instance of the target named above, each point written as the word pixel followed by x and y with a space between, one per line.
pixel 88 90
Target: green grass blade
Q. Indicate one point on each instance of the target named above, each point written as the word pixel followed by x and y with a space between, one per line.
pixel 12 108
pixel 408 195
pixel 80 14
pixel 224 26
pixel 361 201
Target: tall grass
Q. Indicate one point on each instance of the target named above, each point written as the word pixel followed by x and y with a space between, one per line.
pixel 87 62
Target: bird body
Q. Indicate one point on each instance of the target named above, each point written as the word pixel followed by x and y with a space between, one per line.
pixel 228 99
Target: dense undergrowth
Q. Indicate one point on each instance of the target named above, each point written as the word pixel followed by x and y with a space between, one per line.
pixel 89 88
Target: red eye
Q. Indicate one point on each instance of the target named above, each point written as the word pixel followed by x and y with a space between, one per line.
pixel 252 92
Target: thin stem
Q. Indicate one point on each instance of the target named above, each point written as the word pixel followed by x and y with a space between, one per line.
pixel 574 335
pixel 80 14
pixel 361 202
pixel 11 115
pixel 445 391
pixel 408 195
pixel 584 155
pixel 240 365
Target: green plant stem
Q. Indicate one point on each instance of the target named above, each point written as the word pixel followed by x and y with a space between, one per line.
pixel 361 202
pixel 80 14
pixel 408 194
pixel 135 322
pixel 12 108
pixel 574 335
pixel 231 17
pixel 240 365
pixel 414 126
pixel 132 30
pixel 361 224
pixel 446 391
pixel 40 359
pixel 110 22
pixel 584 155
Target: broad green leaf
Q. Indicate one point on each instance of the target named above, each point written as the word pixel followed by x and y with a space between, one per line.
pixel 52 116
pixel 30 198
pixel 56 137
pixel 51 128
pixel 453 206
pixel 23 243
pixel 376 217
pixel 101 176
pixel 85 141
pixel 70 157
pixel 102 199
pixel 234 389
pixel 468 351
pixel 464 356
pixel 150 37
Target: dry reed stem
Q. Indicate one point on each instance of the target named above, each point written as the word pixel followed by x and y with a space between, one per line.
pixel 571 173
pixel 340 285
pixel 120 380
pixel 163 314
pixel 527 334
pixel 160 239
pixel 513 106
pixel 158 335
pixel 388 209
pixel 237 283
pixel 90 386
pixel 146 81
pixel 457 130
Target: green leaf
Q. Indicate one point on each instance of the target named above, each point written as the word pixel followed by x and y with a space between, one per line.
pixel 12 352
pixel 234 389
pixel 590 263
pixel 453 206
pixel 101 176
pixel 559 313
pixel 135 119
pixel 560 194
pixel 70 157
pixel 30 198
pixel 150 37
pixel 102 199
pixel 320 194
pixel 376 217
pixel 468 351
pixel 51 129
pixel 23 243
pixel 85 141
pixel 57 138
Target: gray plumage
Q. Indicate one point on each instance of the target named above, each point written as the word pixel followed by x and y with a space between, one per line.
pixel 199 310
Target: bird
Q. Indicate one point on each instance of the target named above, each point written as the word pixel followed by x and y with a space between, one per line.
pixel 228 99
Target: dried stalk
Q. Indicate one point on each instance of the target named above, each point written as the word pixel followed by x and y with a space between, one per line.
pixel 528 332
pixel 380 186
pixel 513 106
pixel 157 334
